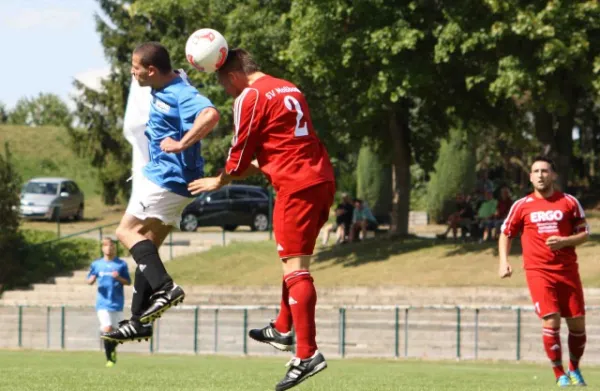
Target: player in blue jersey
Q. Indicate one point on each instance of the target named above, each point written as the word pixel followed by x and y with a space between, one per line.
pixel 179 118
pixel 111 273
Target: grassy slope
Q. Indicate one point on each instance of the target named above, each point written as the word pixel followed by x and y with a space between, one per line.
pixel 53 371
pixel 413 262
pixel 45 151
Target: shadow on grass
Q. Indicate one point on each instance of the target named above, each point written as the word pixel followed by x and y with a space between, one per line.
pixel 383 247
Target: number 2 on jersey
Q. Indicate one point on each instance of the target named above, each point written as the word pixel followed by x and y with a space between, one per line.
pixel 292 104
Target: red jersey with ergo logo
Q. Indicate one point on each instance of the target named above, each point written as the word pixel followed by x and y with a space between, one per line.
pixel 538 219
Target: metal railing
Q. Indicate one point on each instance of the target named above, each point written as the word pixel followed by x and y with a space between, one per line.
pixel 448 332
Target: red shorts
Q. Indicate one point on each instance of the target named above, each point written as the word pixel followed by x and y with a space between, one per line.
pixel 556 292
pixel 299 217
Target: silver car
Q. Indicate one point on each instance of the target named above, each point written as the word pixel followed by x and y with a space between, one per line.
pixel 51 198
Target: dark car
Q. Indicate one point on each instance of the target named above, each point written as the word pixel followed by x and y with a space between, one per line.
pixel 228 207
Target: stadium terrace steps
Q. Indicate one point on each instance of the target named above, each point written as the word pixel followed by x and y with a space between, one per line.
pixel 73 291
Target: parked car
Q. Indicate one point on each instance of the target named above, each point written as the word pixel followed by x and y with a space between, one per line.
pixel 51 198
pixel 228 207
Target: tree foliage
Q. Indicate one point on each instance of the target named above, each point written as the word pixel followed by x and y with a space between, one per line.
pixel 43 110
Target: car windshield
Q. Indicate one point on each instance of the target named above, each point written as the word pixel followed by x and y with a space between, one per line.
pixel 41 188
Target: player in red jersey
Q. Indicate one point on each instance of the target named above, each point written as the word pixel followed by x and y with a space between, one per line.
pixel 552 224
pixel 274 135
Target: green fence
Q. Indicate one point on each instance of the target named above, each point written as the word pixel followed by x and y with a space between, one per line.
pixel 457 332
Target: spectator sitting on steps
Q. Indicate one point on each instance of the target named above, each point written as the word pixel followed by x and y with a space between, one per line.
pixel 343 221
pixel 362 221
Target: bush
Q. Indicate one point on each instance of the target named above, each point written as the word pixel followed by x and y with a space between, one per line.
pixel 34 262
pixel 455 172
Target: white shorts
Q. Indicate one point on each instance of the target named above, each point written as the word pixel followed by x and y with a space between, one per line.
pixel 148 200
pixel 109 318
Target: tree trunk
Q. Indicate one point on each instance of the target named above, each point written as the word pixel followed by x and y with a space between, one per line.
pixel 564 148
pixel 401 158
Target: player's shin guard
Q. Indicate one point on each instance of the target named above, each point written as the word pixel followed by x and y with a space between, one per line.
pixel 576 347
pixel 302 301
pixel 283 323
pixel 146 256
pixel 142 291
pixel 551 338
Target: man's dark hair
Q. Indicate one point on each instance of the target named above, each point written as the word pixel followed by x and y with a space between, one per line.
pixel 239 60
pixel 541 158
pixel 155 54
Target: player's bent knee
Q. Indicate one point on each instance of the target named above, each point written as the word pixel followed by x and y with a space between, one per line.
pixel 551 320
pixel 577 324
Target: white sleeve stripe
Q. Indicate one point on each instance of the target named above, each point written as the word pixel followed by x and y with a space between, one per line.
pixel 237 117
pixel 512 213
pixel 576 202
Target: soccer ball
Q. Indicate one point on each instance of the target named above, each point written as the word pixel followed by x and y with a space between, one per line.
pixel 206 50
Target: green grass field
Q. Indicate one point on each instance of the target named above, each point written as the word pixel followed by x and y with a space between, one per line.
pixel 54 371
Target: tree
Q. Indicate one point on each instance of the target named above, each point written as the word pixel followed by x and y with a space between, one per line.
pixel 43 110
pixel 372 74
pixel 454 174
pixel 541 56
pixel 99 135
pixel 10 184
pixel 3 113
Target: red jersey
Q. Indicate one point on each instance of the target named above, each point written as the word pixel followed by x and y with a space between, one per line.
pixel 539 218
pixel 272 122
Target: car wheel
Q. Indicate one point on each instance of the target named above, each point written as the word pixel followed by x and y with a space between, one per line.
pixel 54 215
pixel 189 223
pixel 230 227
pixel 79 215
pixel 260 222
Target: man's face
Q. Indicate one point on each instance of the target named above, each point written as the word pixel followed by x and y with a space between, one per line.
pixel 143 75
pixel 108 249
pixel 541 176
pixel 228 82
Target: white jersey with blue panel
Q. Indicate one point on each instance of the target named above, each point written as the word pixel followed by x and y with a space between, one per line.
pixel 110 295
pixel 172 113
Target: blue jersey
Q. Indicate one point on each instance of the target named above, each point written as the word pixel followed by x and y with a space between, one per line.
pixel 110 295
pixel 173 110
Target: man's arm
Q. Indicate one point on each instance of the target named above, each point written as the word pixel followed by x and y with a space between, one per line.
pixel 558 242
pixel 204 123
pixel 91 277
pixel 122 280
pixel 504 267
pixel 214 183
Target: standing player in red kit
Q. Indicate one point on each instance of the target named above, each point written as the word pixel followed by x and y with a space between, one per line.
pixel 553 223
pixel 274 135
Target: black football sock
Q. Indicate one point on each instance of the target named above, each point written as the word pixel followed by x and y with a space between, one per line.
pixel 146 256
pixel 141 295
pixel 109 347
